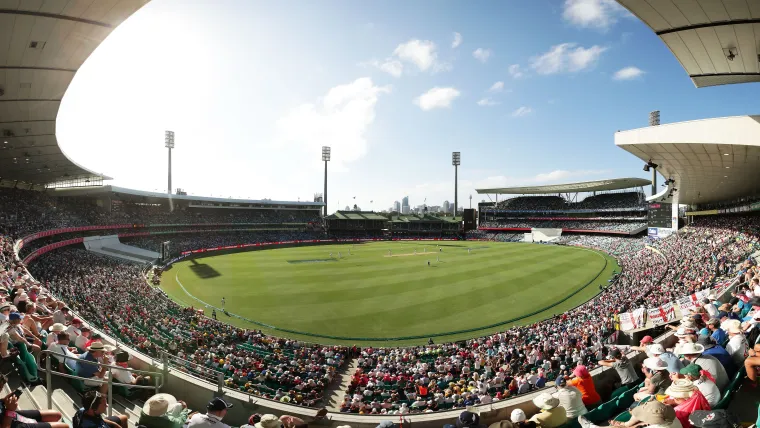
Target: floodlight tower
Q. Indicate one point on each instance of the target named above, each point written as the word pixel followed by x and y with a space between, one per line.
pixel 169 144
pixel 325 158
pixel 456 160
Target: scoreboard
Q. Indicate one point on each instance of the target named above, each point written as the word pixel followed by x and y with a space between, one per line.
pixel 659 214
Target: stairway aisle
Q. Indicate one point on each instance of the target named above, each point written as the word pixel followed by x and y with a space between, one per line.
pixel 337 390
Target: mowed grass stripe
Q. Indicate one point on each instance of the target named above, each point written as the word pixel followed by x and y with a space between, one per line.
pixel 369 295
pixel 463 298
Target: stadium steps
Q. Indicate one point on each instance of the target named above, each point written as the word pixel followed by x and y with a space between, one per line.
pixel 337 389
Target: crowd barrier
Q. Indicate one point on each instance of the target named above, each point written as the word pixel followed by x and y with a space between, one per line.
pixel 528 229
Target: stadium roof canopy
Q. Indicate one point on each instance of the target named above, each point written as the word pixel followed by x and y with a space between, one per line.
pixel 122 193
pixel 716 41
pixel 42 45
pixel 711 160
pixel 356 215
pixel 585 186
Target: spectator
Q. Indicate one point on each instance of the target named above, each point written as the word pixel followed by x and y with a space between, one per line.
pixel 163 411
pixel 216 411
pixel 585 384
pixel 686 398
pixel 570 398
pixel 701 379
pixel 90 415
pixel 551 414
pixel 93 373
pixel 737 344
pixel 623 367
pixel 656 378
pixel 693 352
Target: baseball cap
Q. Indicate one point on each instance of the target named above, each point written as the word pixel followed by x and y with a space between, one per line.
pixel 713 419
pixel 647 339
pixel 218 404
pixel 468 419
pixel 615 353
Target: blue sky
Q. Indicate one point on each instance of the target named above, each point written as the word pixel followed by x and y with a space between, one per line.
pixel 530 91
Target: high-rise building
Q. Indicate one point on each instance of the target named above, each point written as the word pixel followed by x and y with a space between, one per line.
pixel 405 205
pixel 446 207
pixel 397 206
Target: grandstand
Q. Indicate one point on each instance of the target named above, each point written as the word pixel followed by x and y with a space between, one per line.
pixel 615 206
pixel 50 208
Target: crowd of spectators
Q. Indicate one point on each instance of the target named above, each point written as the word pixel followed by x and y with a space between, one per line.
pixel 23 212
pixel 603 201
pixel 613 226
pixel 114 296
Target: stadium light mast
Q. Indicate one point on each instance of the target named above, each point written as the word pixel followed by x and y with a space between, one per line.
pixel 456 160
pixel 169 144
pixel 325 158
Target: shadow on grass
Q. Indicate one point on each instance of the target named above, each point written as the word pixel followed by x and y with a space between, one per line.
pixel 203 271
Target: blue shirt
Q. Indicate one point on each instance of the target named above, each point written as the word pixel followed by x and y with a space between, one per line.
pixel 719 335
pixel 87 370
pixel 724 357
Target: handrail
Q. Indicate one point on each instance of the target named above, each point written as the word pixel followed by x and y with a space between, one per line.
pixel 109 375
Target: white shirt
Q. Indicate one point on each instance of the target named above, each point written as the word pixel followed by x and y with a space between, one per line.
pixel 712 310
pixel 70 360
pixel 80 342
pixel 710 390
pixel 206 421
pixel 737 347
pixel 125 376
pixel 572 400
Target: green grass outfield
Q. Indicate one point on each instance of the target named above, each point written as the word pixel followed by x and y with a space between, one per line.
pixel 370 295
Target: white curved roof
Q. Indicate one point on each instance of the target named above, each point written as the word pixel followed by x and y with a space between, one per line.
pixel 42 45
pixel 711 160
pixel 584 186
pixel 702 34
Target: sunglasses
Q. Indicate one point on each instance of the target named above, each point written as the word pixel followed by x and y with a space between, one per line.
pixel 96 399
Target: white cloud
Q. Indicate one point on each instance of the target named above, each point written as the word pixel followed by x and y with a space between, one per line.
pixel 600 14
pixel 522 111
pixel 628 73
pixel 487 102
pixel 437 98
pixel 340 119
pixel 419 52
pixel 481 54
pixel 515 71
pixel 457 41
pixel 497 87
pixel 567 57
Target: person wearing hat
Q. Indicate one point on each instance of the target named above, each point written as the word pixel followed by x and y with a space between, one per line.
pixel 693 352
pixel 717 351
pixel 216 411
pixel 163 411
pixel 18 339
pixel 702 380
pixel 737 345
pixel 686 398
pixel 92 372
pixel 674 363
pixel 622 366
pixel 654 414
pixel 570 398
pixel 90 415
pixel 585 384
pixel 656 378
pixel 269 421
pixel 714 419
pixel 551 414
pixel 466 419
pixel 517 416
pixel 53 338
